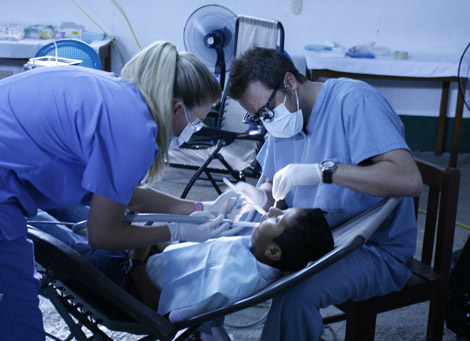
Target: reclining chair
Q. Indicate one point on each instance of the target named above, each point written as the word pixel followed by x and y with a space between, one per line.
pixel 79 290
pixel 227 148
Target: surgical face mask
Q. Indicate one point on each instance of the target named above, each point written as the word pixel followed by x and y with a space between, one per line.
pixel 284 123
pixel 188 131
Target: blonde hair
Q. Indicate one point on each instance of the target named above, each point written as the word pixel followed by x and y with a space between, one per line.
pixel 163 75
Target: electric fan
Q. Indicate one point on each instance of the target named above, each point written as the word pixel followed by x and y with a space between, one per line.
pixel 209 35
pixel 464 73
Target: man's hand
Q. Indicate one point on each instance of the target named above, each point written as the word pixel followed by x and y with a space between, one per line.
pixel 293 175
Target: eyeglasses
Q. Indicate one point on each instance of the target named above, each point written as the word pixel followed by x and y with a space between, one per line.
pixel 197 124
pixel 264 113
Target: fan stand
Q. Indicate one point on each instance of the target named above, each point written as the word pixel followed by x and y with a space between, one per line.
pixel 217 40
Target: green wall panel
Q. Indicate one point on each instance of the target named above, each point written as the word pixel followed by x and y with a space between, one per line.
pixel 421 132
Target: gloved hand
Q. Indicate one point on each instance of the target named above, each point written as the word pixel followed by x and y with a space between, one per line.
pixel 295 174
pixel 222 205
pixel 197 232
pixel 252 194
pixel 233 231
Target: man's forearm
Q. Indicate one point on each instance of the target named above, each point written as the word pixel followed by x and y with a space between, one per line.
pixel 390 174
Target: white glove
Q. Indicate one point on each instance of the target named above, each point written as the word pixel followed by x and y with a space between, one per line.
pixel 295 174
pixel 197 232
pixel 233 231
pixel 222 205
pixel 252 194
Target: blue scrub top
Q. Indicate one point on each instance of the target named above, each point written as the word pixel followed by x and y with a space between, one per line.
pixel 69 132
pixel 350 122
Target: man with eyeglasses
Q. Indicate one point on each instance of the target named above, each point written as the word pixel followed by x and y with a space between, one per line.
pixel 340 147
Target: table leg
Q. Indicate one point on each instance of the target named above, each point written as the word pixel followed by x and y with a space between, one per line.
pixel 107 59
pixel 456 134
pixel 312 75
pixel 441 126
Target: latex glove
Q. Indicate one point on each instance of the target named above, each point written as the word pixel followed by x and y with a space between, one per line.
pixel 233 231
pixel 253 195
pixel 295 174
pixel 197 232
pixel 222 205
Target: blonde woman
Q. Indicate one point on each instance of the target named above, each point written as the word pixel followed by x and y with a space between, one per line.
pixel 77 136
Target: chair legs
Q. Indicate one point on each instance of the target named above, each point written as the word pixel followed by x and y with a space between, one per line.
pixel 360 322
pixel 437 309
pixel 361 319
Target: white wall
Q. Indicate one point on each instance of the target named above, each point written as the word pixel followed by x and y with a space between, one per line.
pixel 412 25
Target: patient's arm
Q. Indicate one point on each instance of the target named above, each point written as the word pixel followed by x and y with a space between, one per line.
pixel 149 294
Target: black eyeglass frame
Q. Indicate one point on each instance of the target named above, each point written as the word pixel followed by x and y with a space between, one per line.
pixel 264 113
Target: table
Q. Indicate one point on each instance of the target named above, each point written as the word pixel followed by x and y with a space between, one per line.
pixel 24 49
pixel 419 66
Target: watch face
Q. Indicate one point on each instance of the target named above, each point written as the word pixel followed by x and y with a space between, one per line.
pixel 328 164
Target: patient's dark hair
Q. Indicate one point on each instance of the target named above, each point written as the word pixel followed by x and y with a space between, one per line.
pixel 308 239
pixel 260 64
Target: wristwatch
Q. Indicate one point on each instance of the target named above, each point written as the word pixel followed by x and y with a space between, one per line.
pixel 327 168
pixel 131 264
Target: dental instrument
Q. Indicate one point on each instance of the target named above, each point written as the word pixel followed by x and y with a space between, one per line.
pixel 248 200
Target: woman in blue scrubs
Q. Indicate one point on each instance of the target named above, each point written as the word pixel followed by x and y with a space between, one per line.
pixel 77 136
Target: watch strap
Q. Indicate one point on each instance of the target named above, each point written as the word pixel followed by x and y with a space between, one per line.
pixel 327 168
pixel 327 176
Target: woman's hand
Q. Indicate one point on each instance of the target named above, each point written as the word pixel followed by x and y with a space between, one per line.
pixel 198 232
pixel 222 205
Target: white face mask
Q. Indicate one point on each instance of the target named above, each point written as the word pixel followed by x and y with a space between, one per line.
pixel 177 141
pixel 285 124
pixel 188 131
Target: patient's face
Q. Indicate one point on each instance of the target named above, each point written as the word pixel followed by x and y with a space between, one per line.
pixel 272 224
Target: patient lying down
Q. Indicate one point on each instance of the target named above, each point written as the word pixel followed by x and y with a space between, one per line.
pixel 187 279
pixel 198 277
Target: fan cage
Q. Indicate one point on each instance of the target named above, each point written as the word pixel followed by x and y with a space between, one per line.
pixel 463 75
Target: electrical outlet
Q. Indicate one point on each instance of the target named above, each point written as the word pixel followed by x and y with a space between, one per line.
pixel 297 6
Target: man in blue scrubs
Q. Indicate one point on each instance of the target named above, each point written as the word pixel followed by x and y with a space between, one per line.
pixel 338 146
